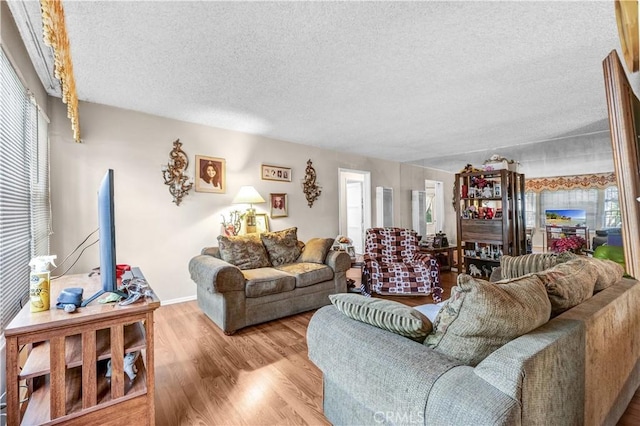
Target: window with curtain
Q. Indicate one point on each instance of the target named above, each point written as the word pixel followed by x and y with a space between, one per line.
pixel 530 209
pixel 612 218
pixel 570 199
pixel 24 189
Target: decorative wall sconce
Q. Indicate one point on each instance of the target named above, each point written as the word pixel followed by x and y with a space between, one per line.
pixel 175 175
pixel 311 190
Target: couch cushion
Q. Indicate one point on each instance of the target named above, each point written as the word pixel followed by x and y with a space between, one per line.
pixel 315 250
pixel 481 316
pixel 385 314
pixel 282 246
pixel 244 251
pixel 307 274
pixel 264 281
pixel 517 266
pixel 608 272
pixel 569 284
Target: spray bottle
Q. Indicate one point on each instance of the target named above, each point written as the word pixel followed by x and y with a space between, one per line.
pixel 39 282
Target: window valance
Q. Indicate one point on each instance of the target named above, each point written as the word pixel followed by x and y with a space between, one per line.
pixel 597 180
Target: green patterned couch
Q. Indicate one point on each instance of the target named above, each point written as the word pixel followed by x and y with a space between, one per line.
pixel 256 278
pixel 581 367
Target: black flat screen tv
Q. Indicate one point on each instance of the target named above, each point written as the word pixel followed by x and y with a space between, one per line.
pixel 107 237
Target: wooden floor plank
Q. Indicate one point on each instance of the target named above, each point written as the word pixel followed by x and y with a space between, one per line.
pixel 260 375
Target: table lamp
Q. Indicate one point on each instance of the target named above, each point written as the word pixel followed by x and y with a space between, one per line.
pixel 249 195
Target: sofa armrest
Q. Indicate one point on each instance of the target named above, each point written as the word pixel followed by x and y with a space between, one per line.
pixel 399 372
pixel 216 275
pixel 339 261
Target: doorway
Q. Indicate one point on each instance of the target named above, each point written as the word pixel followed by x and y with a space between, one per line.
pixel 354 205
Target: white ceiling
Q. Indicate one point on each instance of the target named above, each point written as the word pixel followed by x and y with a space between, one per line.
pixel 439 84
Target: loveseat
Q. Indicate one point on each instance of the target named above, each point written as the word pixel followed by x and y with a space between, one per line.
pixel 578 368
pixel 256 278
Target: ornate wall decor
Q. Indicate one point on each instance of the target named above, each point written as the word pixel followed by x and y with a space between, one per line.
pixel 175 175
pixel 311 190
pixel 55 35
pixel 598 180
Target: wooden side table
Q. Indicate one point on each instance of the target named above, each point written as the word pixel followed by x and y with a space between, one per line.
pixel 66 363
pixel 444 255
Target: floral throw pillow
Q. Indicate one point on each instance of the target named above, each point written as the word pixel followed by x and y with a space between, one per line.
pixel 282 246
pixel 243 251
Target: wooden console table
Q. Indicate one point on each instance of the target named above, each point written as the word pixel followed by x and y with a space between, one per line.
pixel 67 356
pixel 444 255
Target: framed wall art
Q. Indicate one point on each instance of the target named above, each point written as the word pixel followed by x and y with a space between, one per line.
pixel 282 174
pixel 279 205
pixel 210 174
pixel 262 224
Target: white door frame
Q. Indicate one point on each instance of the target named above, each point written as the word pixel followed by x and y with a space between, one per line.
pixel 345 175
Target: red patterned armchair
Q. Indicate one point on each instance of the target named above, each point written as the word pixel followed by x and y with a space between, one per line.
pixel 394 265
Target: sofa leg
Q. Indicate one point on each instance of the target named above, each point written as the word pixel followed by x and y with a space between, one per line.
pixel 230 333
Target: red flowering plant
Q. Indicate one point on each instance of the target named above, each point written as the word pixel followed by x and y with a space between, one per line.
pixel 573 243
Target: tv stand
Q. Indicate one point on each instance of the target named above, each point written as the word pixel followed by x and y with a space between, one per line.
pixel 65 366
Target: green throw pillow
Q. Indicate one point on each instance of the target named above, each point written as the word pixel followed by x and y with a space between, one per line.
pixel 569 284
pixel 385 314
pixel 480 316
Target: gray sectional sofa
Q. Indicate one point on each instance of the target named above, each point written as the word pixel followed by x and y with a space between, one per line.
pixel 579 368
pixel 234 298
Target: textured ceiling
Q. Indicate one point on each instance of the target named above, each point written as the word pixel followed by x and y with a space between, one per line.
pixel 424 82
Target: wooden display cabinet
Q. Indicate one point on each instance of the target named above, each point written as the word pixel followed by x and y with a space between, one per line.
pixel 67 357
pixel 491 222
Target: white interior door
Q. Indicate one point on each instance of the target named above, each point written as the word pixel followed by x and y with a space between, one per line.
pixel 355 205
pixel 355 213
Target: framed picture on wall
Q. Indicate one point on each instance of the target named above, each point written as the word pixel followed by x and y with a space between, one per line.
pixel 210 174
pixel 282 174
pixel 279 205
pixel 262 224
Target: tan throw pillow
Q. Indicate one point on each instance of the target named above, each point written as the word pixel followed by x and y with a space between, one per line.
pixel 481 316
pixel 316 249
pixel 385 314
pixel 282 246
pixel 569 284
pixel 244 251
pixel 608 272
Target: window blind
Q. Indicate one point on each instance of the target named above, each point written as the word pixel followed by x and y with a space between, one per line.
pixel 24 202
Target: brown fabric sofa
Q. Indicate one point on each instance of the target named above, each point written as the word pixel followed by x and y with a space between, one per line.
pixel 234 298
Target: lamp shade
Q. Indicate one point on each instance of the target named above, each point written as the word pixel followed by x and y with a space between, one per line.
pixel 248 195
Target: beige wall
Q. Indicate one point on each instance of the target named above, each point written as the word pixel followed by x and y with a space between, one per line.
pixel 161 237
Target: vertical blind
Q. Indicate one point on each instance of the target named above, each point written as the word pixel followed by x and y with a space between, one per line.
pixel 24 190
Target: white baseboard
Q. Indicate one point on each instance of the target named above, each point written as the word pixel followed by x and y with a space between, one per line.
pixel 178 300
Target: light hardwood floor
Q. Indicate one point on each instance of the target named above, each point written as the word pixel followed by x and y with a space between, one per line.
pixel 259 376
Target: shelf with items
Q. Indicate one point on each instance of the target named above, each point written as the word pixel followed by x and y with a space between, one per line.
pixel 490 215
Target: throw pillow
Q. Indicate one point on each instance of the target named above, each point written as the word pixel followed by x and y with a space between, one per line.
pixel 608 272
pixel 282 246
pixel 480 316
pixel 569 284
pixel 244 251
pixel 517 266
pixel 316 249
pixel 385 314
